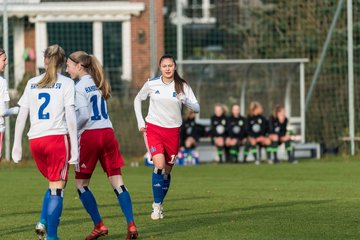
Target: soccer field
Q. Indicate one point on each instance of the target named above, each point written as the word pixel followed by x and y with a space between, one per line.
pixel 316 199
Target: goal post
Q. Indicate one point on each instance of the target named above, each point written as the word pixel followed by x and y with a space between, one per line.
pixel 269 81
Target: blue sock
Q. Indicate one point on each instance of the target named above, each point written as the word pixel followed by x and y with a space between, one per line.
pixel 51 238
pixel 89 203
pixel 124 200
pixel 166 185
pixel 43 216
pixel 54 210
pixel 157 185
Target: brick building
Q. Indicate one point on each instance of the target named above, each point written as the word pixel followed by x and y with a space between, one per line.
pixel 116 32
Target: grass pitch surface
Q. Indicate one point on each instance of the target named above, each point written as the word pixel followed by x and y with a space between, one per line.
pixel 315 199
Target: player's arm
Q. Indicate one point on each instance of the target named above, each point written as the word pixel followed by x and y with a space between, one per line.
pixel 70 118
pixel 19 129
pixel 82 117
pixel 141 96
pixel 4 112
pixel 188 99
pixel 72 129
pixel 4 97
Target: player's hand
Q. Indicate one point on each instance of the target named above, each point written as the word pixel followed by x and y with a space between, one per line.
pixel 74 158
pixel 14 110
pixel 73 161
pixel 16 154
pixel 142 129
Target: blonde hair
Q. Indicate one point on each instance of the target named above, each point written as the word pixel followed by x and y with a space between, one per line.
pixel 93 67
pixel 222 106
pixel 253 105
pixel 56 59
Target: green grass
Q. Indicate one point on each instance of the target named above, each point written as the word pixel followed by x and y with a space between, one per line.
pixel 316 199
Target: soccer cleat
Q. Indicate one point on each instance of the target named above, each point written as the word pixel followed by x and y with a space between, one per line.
pixel 157 211
pixel 132 231
pixel 98 231
pixel 40 230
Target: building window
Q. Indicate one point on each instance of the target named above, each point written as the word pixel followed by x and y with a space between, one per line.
pixel 71 36
pixel 199 11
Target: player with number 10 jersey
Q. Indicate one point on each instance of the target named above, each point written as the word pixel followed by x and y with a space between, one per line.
pixel 97 141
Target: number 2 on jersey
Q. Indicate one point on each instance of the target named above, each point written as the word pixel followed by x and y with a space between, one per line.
pixel 97 116
pixel 42 107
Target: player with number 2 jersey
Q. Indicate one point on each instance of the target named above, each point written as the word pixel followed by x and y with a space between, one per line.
pixel 49 100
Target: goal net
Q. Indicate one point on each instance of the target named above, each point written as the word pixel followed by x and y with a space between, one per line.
pixel 268 81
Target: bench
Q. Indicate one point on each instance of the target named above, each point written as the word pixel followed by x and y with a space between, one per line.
pixel 346 140
pixel 208 153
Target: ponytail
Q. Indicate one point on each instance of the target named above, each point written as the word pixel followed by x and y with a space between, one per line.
pixel 55 56
pixel 97 73
pixel 93 67
pixel 179 83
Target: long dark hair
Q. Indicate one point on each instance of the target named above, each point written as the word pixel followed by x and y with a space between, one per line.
pixel 2 51
pixel 179 81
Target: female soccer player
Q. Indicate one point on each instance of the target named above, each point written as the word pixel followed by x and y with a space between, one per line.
pixel 257 129
pixel 218 130
pixel 4 97
pixel 49 98
pixel 278 133
pixel 161 131
pixel 97 140
pixel 236 130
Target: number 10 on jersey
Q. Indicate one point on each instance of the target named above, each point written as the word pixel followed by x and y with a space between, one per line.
pixel 103 109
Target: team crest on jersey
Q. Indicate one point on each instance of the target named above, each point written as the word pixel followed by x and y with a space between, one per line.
pixel 157 92
pixel 174 94
pixel 152 149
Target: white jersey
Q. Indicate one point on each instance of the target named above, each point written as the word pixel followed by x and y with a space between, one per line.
pixel 164 107
pixel 4 97
pixel 47 106
pixel 89 96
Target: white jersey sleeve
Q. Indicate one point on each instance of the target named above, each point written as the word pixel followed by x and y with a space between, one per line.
pixel 4 97
pixel 80 98
pixel 4 92
pixel 190 99
pixel 141 96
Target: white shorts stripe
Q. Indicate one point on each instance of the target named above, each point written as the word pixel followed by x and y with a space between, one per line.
pixel 66 164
